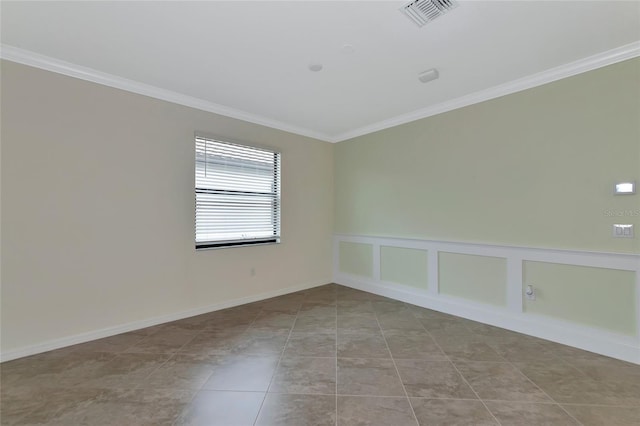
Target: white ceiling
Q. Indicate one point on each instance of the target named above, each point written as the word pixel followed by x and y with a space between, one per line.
pixel 250 59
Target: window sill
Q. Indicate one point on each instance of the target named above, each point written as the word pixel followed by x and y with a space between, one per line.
pixel 234 244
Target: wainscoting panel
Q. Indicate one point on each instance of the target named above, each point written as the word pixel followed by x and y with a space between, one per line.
pixel 588 300
pixel 404 266
pixel 596 297
pixel 356 258
pixel 477 278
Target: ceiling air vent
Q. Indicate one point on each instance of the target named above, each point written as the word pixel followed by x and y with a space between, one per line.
pixel 423 11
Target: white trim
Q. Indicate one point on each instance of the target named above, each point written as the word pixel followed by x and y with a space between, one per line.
pixel 514 283
pixel 376 262
pixel 580 66
pixel 136 325
pixel 590 63
pixel 32 59
pixel 610 344
pixel 512 316
pixel 433 276
pixel 638 300
pixel 623 261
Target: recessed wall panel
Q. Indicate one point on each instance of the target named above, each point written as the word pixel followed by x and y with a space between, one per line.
pixel 404 266
pixel 478 278
pixel 598 297
pixel 356 259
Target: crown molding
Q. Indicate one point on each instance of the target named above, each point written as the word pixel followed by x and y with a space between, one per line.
pixel 26 57
pixel 590 63
pixel 580 66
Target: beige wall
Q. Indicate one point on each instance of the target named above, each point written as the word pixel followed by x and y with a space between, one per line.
pixel 97 198
pixel 98 210
pixel 535 168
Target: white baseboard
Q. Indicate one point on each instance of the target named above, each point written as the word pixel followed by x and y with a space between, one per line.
pixel 136 325
pixel 622 347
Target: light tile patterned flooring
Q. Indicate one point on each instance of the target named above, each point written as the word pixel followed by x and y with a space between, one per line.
pixel 326 356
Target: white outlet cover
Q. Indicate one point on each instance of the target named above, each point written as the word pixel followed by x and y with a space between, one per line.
pixel 531 296
pixel 622 231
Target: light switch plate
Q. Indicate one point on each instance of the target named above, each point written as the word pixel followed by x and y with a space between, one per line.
pixel 622 231
pixel 625 188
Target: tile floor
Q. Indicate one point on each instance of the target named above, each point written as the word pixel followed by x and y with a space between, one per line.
pixel 326 356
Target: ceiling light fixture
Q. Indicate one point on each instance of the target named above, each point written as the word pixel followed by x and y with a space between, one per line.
pixel 428 75
pixel 423 11
pixel 315 67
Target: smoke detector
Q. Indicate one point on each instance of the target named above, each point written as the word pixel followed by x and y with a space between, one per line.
pixel 428 75
pixel 423 11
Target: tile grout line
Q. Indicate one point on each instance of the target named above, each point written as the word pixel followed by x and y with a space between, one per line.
pixel 139 384
pixel 255 313
pixel 202 331
pixel 551 400
pixel 543 391
pixel 396 367
pixel 29 412
pixel 275 371
pixel 336 422
pixel 423 397
pixel 456 368
pixel 211 374
pixel 474 391
pixel 582 404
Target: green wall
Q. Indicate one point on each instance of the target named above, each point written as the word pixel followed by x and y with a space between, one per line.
pixel 535 168
pixel 478 278
pixel 598 297
pixel 356 259
pixel 404 266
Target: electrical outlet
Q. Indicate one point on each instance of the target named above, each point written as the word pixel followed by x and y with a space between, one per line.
pixel 622 231
pixel 253 272
pixel 530 293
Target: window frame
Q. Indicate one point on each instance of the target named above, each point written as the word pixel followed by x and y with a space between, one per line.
pixel 277 212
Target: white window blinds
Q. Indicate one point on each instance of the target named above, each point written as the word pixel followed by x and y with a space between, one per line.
pixel 237 194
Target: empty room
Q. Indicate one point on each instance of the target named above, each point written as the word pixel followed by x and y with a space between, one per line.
pixel 310 213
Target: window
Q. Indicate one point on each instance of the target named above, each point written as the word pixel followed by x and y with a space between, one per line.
pixel 237 194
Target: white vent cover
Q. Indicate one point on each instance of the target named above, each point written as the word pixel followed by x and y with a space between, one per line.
pixel 423 11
